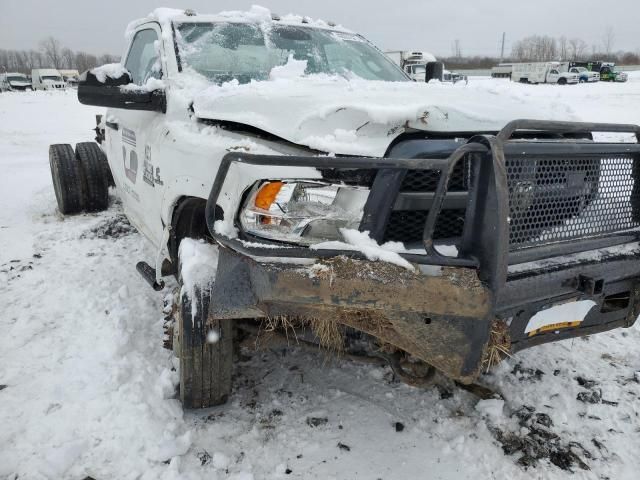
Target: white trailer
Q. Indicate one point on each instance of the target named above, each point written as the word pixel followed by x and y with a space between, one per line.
pixel 542 72
pixel 502 70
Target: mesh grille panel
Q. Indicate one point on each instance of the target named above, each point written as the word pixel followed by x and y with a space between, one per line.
pixel 408 225
pixel 562 199
pixel 427 180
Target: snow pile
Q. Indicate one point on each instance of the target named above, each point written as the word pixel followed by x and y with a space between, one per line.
pixel 256 14
pixel 150 85
pixel 198 265
pixel 358 117
pixel 292 69
pixel 362 242
pixel 110 70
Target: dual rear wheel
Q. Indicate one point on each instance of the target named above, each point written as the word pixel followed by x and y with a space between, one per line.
pixel 81 178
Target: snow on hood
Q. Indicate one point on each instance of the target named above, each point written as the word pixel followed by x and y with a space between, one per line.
pixel 358 117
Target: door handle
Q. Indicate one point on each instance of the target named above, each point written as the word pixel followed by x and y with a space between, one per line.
pixel 112 125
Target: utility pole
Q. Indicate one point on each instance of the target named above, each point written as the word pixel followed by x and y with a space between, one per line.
pixel 457 51
pixel 504 34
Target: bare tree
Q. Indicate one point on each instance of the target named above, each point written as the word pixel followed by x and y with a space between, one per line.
pixel 577 48
pixel 67 57
pixel 608 39
pixel 536 48
pixel 107 58
pixel 51 48
pixel 563 48
pixel 84 61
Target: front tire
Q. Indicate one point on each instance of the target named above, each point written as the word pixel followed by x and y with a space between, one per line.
pixel 562 81
pixel 205 348
pixel 67 179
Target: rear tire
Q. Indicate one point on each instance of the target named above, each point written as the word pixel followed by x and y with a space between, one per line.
pixel 67 179
pixel 562 81
pixel 95 182
pixel 205 368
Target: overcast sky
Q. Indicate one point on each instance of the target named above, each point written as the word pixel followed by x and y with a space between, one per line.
pixel 433 25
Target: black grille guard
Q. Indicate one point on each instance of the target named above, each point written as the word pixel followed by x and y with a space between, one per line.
pixel 485 242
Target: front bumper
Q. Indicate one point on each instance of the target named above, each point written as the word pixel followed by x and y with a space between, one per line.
pixel 443 319
pixel 447 320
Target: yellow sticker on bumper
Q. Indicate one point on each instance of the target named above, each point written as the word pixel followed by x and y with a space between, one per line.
pixel 554 326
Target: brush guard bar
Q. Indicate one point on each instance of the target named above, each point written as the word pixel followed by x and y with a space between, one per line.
pixel 487 243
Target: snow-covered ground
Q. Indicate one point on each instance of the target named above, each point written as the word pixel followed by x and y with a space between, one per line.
pixel 86 389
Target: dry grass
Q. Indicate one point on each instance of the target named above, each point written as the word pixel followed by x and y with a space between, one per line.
pixel 499 345
pixel 328 332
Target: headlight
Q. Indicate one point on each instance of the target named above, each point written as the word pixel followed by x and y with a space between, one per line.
pixel 304 212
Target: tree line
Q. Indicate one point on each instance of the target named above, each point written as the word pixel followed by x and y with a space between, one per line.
pixel 51 54
pixel 544 48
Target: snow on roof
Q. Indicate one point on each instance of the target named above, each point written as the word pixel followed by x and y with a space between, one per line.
pixel 256 14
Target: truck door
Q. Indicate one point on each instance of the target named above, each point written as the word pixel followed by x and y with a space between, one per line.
pixel 553 76
pixel 132 131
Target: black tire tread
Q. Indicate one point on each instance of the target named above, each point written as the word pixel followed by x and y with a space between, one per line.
pixel 67 179
pixel 96 185
pixel 205 368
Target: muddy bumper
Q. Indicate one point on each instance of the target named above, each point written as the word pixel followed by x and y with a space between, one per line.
pixel 443 319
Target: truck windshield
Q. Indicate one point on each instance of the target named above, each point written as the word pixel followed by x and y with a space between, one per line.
pixel 16 78
pixel 245 52
pixel 53 78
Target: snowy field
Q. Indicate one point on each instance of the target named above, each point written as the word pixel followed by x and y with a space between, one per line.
pixel 86 389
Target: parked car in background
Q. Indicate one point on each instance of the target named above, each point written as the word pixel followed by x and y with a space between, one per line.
pixel 70 77
pixel 13 81
pixel 542 72
pixel 607 70
pixel 503 70
pixel 609 73
pixel 47 79
pixel 419 66
pixel 584 75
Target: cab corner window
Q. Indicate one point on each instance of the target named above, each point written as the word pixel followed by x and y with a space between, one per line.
pixel 143 61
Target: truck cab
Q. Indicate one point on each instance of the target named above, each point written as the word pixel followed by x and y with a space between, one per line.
pixel 584 75
pixel 47 79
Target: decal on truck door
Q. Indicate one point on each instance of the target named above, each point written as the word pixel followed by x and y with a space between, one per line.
pixel 130 168
pixel 129 136
pixel 147 172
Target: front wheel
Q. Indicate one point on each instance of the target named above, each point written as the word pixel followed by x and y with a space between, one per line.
pixel 562 81
pixel 204 345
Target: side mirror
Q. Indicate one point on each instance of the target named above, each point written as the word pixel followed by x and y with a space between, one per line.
pixel 434 71
pixel 103 89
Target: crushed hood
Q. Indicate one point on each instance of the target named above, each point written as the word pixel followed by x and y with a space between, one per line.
pixel 335 115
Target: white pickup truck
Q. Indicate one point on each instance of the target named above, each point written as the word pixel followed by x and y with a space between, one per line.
pixel 584 75
pixel 288 174
pixel 542 72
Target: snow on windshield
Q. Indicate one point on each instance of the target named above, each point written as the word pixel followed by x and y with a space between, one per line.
pixel 225 51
